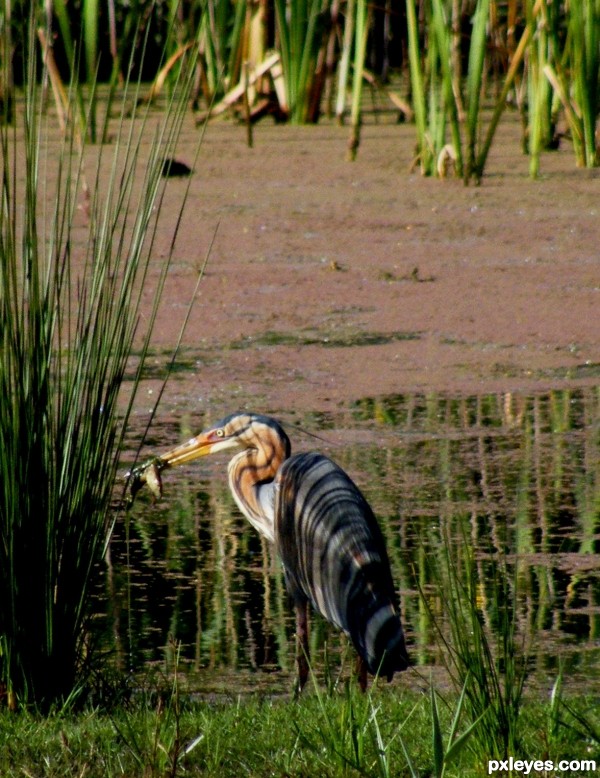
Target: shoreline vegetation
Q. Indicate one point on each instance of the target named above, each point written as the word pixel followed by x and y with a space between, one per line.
pixel 389 731
pixel 439 63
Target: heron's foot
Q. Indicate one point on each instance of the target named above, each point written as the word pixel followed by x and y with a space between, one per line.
pixel 146 473
pixel 302 672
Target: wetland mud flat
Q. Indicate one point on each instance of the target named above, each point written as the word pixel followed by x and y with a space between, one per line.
pixel 330 281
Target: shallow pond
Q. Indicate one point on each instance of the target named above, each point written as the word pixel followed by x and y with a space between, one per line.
pixel 499 494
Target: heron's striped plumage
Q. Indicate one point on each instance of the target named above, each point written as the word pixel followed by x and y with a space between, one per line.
pixel 323 529
pixel 334 556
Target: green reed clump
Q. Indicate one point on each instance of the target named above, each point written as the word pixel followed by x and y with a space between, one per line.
pixel 69 312
pixel 299 30
pixel 222 32
pixel 557 57
pixel 574 74
pixel 484 655
pixel 439 99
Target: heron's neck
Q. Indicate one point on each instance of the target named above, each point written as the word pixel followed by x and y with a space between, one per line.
pixel 251 475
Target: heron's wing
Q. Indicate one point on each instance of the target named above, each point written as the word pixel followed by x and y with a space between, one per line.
pixel 334 555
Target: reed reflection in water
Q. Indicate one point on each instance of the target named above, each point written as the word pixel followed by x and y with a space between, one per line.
pixel 499 492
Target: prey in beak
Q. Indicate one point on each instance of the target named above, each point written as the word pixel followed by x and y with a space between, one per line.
pixel 148 472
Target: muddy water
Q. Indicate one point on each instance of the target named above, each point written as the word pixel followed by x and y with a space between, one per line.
pixel 499 494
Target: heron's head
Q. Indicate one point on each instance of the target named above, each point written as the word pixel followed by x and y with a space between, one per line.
pixel 237 431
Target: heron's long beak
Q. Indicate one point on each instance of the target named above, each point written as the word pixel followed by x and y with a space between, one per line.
pixel 205 443
pixel 196 447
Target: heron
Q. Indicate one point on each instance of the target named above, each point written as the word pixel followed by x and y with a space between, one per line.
pixel 332 549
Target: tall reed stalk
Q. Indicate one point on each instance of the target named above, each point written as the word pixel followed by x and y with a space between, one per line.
pixel 417 80
pixel 344 63
pixel 360 47
pixel 539 91
pixel 6 71
pixel 69 314
pixel 477 51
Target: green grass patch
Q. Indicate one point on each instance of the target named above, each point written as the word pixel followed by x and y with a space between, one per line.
pixel 342 733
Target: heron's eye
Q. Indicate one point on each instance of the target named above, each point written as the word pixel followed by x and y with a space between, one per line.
pixel 219 433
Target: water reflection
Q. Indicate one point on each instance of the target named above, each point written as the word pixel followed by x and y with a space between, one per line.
pixel 506 489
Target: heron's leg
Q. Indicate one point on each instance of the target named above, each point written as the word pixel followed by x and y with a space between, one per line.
pixel 361 673
pixel 302 650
